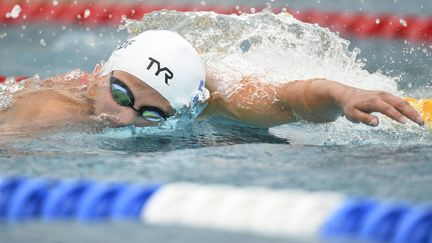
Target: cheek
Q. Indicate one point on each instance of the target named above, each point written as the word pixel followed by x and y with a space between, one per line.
pixel 115 114
pixel 139 122
pixel 126 117
pixel 121 117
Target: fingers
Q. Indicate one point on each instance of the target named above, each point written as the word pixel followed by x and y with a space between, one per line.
pixel 390 111
pixel 405 109
pixel 393 107
pixel 363 117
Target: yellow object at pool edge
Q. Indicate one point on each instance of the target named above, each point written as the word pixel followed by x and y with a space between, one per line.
pixel 424 107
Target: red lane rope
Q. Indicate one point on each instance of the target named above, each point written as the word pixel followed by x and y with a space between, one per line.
pixel 413 28
pixel 18 78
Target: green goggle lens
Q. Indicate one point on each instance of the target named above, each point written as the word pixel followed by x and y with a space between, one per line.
pixel 152 116
pixel 123 96
pixel 120 95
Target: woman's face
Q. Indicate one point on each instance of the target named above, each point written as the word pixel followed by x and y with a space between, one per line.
pixel 107 107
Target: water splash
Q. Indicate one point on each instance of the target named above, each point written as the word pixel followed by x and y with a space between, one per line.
pixel 11 86
pixel 278 48
pixel 273 47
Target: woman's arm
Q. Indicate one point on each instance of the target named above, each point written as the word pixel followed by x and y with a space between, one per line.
pixel 316 100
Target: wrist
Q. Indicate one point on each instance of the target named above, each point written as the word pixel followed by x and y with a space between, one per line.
pixel 332 97
pixel 339 93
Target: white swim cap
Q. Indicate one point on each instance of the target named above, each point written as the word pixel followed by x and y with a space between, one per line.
pixel 165 61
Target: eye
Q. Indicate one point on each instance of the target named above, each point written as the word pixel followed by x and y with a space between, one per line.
pixel 120 95
pixel 152 116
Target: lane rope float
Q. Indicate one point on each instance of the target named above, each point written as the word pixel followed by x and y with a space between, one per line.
pixel 362 25
pixel 249 209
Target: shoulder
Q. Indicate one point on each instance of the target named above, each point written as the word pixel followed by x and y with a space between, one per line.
pixel 46 107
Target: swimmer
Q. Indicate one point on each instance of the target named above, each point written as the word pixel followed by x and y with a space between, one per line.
pixel 156 75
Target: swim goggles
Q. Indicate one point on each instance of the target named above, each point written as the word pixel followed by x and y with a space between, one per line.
pixel 124 97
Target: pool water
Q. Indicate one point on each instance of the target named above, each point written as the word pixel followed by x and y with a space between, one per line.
pixel 388 162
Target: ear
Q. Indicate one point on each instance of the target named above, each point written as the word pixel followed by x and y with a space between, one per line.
pixel 95 85
pixel 91 89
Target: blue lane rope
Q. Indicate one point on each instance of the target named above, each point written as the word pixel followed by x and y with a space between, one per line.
pixel 131 201
pixel 380 222
pixel 349 218
pixel 63 200
pixel 25 199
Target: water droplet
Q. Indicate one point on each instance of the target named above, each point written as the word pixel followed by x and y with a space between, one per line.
pixel 55 2
pixel 14 13
pixel 268 7
pixel 377 21
pixel 203 3
pixel 403 22
pixel 253 10
pixel 42 42
pixel 86 13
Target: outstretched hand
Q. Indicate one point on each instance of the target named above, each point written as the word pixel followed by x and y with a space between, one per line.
pixel 357 104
